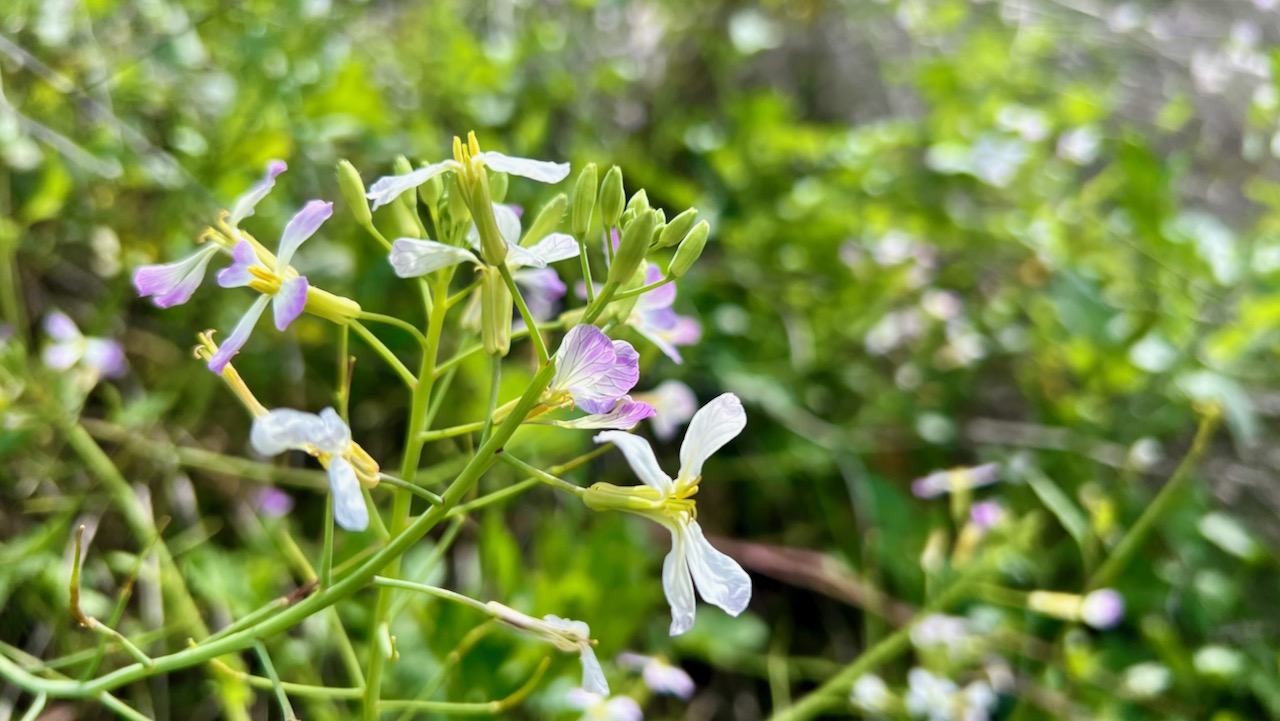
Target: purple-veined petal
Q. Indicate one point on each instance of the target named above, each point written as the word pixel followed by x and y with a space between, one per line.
pixel 714 425
pixel 60 327
pixel 237 274
pixel 284 429
pixel 349 508
pixel 585 354
pixel 677 585
pixel 659 339
pixel 720 580
pixel 543 171
pixel 675 403
pixel 301 226
pixel 412 258
pixel 105 356
pixel 592 675
pixel 171 284
pixel 388 188
pixel 624 416
pixel 289 302
pixel 555 248
pixel 239 336
pixel 245 204
pixel 614 383
pixel 639 455
pixel 542 290
pixel 661 297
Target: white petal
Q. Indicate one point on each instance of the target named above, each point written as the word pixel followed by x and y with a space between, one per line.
pixel 388 188
pixel 717 423
pixel 543 171
pixel 592 675
pixel 554 248
pixel 508 226
pixel 640 457
pixel 283 429
pixel 335 436
pixel 61 356
pixel 349 509
pixel 411 257
pixel 678 586
pixel 520 257
pixel 721 581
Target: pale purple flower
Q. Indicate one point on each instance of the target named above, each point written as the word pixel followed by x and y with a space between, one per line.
pixel 660 676
pixel 654 318
pixel 986 514
pixel 282 287
pixel 940 483
pixel 675 404
pixel 170 284
pixel 274 503
pixel 542 290
pixel 328 438
pixel 624 416
pixel 593 370
pixel 566 635
pixel 596 707
pixel 1103 608
pixel 692 560
pixel 388 188
pixel 69 348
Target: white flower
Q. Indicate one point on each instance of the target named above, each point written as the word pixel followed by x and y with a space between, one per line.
pixel 692 560
pixel 870 693
pixel 602 708
pixel 660 676
pixel 563 633
pixel 388 188
pixel 329 439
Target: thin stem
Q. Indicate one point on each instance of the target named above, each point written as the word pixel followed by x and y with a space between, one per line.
pixel 297 689
pixel 601 302
pixel 586 268
pixel 522 486
pixel 434 591
pixel 413 488
pixel 465 354
pixel 386 244
pixel 495 384
pixel 392 320
pixel 37 705
pixel 643 289
pixel 326 551
pixel 539 344
pixel 281 697
pixel 452 431
pixel 1137 534
pixel 474 709
pixel 542 475
pixel 386 354
pixel 461 295
pixel 344 373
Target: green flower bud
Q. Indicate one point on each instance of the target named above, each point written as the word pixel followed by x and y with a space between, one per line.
pixel 632 248
pixel 352 188
pixel 677 229
pixel 493 247
pixel 638 202
pixel 495 313
pixel 659 224
pixel 402 219
pixel 498 187
pixel 459 213
pixel 402 166
pixel 689 250
pixel 547 221
pixel 584 199
pixel 431 191
pixel 612 197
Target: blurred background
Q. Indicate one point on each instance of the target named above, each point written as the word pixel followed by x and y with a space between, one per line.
pixel 1041 233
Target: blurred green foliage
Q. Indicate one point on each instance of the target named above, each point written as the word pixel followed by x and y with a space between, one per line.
pixel 944 232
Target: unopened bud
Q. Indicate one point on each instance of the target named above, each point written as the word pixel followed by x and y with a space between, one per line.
pixel 352 188
pixel 638 202
pixel 403 220
pixel 632 248
pixel 493 247
pixel 677 229
pixel 459 213
pixel 659 224
pixel 584 199
pixel 431 191
pixel 402 166
pixel 495 313
pixel 498 187
pixel 689 250
pixel 332 307
pixel 547 221
pixel 612 197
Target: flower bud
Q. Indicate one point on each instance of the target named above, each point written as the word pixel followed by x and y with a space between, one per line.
pixel 498 187
pixel 352 188
pixel 495 313
pixel 584 199
pixel 659 225
pixel 493 247
pixel 638 202
pixel 459 214
pixel 403 222
pixel 677 229
pixel 547 221
pixel 402 166
pixel 332 307
pixel 689 250
pixel 632 248
pixel 430 192
pixel 612 197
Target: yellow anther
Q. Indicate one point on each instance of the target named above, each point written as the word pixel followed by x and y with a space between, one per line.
pixel 473 143
pixel 458 153
pixel 265 281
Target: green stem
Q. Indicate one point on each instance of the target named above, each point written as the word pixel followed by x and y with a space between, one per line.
pixel 643 289
pixel 601 302
pixel 488 708
pixel 539 344
pixel 37 706
pixel 413 488
pixel 394 321
pixel 386 354
pixel 326 552
pixel 465 354
pixel 434 591
pixel 452 431
pixel 281 697
pixel 462 294
pixel 1132 541
pixel 586 268
pixel 542 475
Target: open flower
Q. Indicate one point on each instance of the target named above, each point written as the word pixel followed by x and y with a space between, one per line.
pixel 279 284
pixel 467 159
pixel 655 318
pixel 624 415
pixel 659 675
pixel 675 404
pixel 170 284
pixel 603 708
pixel 69 348
pixel 594 373
pixel 328 438
pixel 692 560
pixel 563 633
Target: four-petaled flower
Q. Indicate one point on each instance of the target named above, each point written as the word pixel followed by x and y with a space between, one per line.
pixel 100 357
pixel 565 634
pixel 171 284
pixel 279 284
pixel 675 404
pixel 328 438
pixel 595 374
pixel 692 560
pixel 596 707
pixel 388 188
